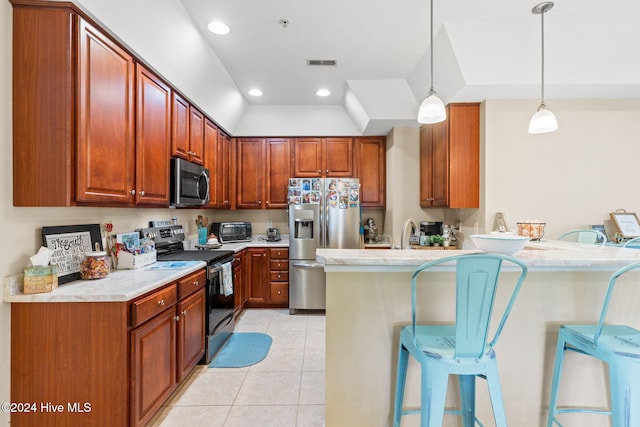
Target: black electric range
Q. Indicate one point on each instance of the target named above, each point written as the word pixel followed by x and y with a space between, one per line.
pixel 219 303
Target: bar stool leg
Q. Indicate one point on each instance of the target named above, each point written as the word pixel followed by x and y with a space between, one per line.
pixel 495 392
pixel 624 380
pixel 555 383
pixel 433 392
pixel 468 398
pixel 403 360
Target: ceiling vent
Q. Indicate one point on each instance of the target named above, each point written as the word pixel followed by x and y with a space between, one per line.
pixel 322 62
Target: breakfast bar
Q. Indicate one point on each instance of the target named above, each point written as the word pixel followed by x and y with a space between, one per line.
pixel 369 300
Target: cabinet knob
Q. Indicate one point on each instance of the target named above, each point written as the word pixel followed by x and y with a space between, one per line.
pixel 319 172
pixel 184 312
pixel 142 193
pixel 195 283
pixel 278 276
pixel 279 292
pixel 161 302
pixel 177 318
pixel 267 202
pixel 327 171
pixel 132 192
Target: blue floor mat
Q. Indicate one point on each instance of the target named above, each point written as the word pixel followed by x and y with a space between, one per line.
pixel 242 349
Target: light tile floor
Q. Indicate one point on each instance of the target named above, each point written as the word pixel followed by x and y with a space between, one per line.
pixel 285 389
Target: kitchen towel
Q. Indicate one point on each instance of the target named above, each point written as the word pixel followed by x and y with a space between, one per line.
pixel 227 279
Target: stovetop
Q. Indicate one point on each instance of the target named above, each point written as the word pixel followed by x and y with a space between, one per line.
pixel 168 240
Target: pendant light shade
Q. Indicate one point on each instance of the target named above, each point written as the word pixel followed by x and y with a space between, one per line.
pixel 432 108
pixel 543 120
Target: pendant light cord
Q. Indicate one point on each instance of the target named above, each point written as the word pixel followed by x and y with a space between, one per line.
pixel 542 32
pixel 431 45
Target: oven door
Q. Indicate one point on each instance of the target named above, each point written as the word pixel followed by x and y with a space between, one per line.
pixel 219 322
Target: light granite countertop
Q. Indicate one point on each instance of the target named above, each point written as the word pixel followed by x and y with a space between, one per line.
pixel 119 285
pixel 122 285
pixel 538 256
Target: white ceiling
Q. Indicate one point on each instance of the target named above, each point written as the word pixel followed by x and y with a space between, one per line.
pixel 482 49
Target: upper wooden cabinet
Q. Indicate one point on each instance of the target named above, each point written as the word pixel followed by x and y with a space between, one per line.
pixel 371 170
pixel 263 170
pixel 179 126
pixel 323 157
pixel 153 139
pixel 217 158
pixel 196 135
pixel 75 115
pixel 450 159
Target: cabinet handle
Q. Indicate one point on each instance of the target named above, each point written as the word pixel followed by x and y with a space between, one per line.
pixel 267 202
pixel 132 192
pixel 259 202
pixel 278 276
pixel 161 302
pixel 319 172
pixel 195 283
pixel 327 170
pixel 177 318
pixel 279 292
pixel 184 313
pixel 142 193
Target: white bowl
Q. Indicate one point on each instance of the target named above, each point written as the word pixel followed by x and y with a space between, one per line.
pixel 506 244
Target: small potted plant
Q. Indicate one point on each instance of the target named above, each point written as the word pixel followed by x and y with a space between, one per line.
pixel 436 240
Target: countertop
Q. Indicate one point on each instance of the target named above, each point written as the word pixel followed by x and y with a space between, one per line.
pixel 119 285
pixel 542 256
pixel 122 285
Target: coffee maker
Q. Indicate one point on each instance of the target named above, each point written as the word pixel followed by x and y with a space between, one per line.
pixel 370 231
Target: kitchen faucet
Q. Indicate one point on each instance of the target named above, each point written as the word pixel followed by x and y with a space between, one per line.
pixel 411 226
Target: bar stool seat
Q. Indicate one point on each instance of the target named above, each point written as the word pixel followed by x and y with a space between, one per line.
pixel 616 345
pixel 460 349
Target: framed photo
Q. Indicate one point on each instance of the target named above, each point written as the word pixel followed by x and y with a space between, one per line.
pixel 600 228
pixel 627 223
pixel 69 243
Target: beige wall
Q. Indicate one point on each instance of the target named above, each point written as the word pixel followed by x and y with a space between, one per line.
pixel 570 178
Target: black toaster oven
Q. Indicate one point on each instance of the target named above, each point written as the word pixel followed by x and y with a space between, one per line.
pixel 228 232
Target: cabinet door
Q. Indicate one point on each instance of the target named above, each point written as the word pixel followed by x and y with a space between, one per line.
pixel 338 157
pixel 196 132
pixel 153 139
pixel 179 126
pixel 250 173
pixel 105 140
pixel 371 164
pixel 191 312
pixel 153 365
pixel 464 155
pixel 224 170
pixel 278 171
pixel 257 286
pixel 211 161
pixel 307 157
pixel 434 167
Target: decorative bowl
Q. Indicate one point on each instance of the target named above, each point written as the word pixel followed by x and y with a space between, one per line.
pixel 533 230
pixel 505 244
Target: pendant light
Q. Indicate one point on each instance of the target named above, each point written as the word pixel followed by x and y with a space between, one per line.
pixel 543 120
pixel 432 109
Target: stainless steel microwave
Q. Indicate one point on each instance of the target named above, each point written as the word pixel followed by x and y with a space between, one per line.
pixel 189 184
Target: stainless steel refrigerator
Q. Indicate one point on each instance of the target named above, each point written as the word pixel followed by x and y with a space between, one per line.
pixel 323 213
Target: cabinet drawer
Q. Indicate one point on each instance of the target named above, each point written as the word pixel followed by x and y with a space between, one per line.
pixel 191 283
pixel 279 292
pixel 279 265
pixel 147 307
pixel 279 253
pixel 279 276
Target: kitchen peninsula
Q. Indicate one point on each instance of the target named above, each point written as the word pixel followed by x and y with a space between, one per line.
pixel 369 300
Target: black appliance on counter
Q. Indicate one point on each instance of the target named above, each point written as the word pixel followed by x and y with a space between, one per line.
pixel 218 307
pixel 228 232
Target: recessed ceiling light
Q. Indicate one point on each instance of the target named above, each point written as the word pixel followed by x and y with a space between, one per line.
pixel 219 28
pixel 323 92
pixel 255 92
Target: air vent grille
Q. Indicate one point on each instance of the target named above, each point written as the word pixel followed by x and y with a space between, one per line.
pixel 322 62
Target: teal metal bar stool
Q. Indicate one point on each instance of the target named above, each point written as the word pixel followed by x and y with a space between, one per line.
pixel 584 236
pixel 460 349
pixel 619 347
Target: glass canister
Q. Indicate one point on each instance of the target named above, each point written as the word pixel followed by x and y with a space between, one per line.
pixel 94 265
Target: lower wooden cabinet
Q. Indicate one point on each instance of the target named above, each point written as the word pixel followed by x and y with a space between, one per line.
pixel 106 363
pixel 239 291
pixel 267 277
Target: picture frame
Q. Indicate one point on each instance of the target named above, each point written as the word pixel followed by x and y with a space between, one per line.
pixel 627 223
pixel 601 229
pixel 69 243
